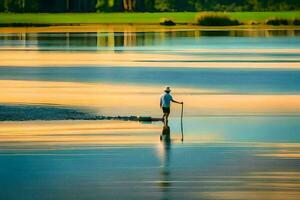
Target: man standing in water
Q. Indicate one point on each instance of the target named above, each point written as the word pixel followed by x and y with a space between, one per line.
pixel 165 101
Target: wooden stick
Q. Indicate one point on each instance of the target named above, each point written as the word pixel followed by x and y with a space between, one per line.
pixel 181 122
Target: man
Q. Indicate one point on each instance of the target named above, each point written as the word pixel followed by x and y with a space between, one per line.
pixel 165 101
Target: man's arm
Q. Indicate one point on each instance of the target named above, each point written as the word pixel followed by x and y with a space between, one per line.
pixel 176 101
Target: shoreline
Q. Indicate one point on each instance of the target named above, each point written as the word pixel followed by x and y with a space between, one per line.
pixel 124 27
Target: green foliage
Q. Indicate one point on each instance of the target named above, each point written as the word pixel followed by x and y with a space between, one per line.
pixel 107 5
pixel 146 5
pixel 129 5
pixel 215 19
pixel 163 5
pixel 277 22
pixel 166 22
pixel 101 5
pixel 31 6
pixel 14 5
pixel 296 22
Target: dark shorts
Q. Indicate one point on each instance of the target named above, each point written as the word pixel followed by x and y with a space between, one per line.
pixel 166 109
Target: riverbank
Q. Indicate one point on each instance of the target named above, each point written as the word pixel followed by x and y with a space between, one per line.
pixel 90 28
pixel 70 19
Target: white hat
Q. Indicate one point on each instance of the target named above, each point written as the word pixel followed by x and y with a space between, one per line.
pixel 167 89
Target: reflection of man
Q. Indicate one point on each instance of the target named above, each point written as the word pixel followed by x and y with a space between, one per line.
pixel 165 135
pixel 165 103
pixel 165 182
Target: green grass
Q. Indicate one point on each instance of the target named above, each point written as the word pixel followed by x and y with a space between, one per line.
pixel 215 19
pixel 263 16
pixel 134 18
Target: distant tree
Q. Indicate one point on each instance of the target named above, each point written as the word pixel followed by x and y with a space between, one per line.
pixel 1 6
pixel 31 6
pixel 117 6
pixel 196 4
pixel 254 5
pixel 107 5
pixel 52 6
pixel 146 5
pixel 187 5
pixel 129 5
pixel 14 5
pixel 101 5
pixel 149 5
pixel 164 5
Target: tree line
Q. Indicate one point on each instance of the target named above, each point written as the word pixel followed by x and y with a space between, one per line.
pixel 57 6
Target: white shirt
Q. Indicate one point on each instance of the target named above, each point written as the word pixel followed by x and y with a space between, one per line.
pixel 165 100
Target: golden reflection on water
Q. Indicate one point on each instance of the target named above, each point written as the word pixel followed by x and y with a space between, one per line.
pixel 252 195
pixel 35 133
pixel 39 133
pixel 103 59
pixel 70 132
pixel 282 155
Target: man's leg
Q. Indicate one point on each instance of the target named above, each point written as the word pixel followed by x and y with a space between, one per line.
pixel 163 117
pixel 167 118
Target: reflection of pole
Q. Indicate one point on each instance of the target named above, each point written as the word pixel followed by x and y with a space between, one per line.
pixel 181 122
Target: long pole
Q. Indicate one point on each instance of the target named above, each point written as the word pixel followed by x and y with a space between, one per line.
pixel 182 122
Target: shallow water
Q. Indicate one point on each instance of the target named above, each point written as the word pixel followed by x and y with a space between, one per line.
pixel 220 158
pixel 241 125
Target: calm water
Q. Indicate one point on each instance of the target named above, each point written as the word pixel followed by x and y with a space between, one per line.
pixel 244 155
pixel 205 48
pixel 154 41
pixel 221 158
pixel 227 80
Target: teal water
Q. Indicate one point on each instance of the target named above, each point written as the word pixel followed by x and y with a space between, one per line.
pixel 213 48
pixel 241 159
pixel 238 81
